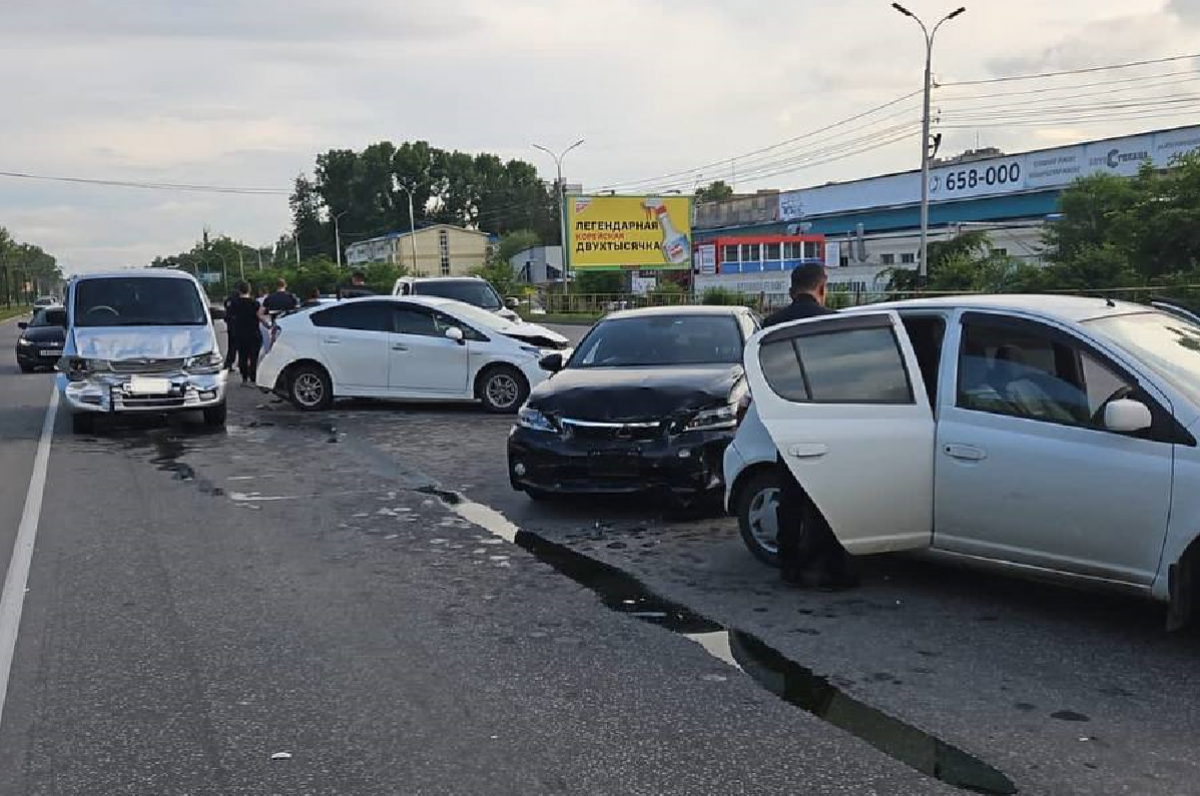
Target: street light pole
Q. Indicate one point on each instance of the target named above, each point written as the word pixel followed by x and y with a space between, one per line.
pixel 337 236
pixel 562 204
pixel 224 270
pixel 412 224
pixel 926 157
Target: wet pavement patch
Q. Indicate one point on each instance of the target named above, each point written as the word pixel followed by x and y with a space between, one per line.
pixel 769 668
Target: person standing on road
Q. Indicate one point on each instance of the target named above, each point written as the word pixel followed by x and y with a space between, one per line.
pixel 313 300
pixel 809 553
pixel 230 344
pixel 281 300
pixel 246 315
pixel 357 288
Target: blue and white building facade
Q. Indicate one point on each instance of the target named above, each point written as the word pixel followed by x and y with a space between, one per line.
pixel 873 225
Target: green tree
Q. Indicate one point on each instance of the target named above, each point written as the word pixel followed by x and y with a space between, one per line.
pixel 714 192
pixel 499 270
pixel 593 282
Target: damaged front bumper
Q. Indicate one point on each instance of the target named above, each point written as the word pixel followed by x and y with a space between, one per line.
pixel 121 393
pixel 687 465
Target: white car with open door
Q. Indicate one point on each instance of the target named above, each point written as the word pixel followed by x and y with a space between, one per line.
pixel 422 349
pixel 1050 436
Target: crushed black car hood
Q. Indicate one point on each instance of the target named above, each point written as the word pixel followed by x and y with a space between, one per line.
pixel 634 394
pixel 45 334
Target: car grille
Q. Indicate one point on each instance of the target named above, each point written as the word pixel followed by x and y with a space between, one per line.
pixel 141 366
pixel 590 431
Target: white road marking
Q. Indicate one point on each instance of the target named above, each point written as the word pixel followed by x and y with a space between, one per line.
pixel 12 598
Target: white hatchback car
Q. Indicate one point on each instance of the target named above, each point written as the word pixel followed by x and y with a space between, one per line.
pixel 1050 436
pixel 426 349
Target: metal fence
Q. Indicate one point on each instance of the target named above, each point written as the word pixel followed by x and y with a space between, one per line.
pixel 592 304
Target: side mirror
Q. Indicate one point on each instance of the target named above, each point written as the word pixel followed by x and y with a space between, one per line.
pixel 513 303
pixel 1127 416
pixel 456 334
pixel 22 326
pixel 551 363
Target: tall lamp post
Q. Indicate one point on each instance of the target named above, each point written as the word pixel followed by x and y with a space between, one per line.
pixel 923 263
pixel 412 227
pixel 562 203
pixel 337 235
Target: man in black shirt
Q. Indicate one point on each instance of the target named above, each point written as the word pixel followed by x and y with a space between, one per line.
pixel 246 315
pixel 357 288
pixel 230 344
pixel 809 553
pixel 281 300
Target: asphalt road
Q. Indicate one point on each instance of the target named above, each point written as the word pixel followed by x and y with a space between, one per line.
pixel 199 602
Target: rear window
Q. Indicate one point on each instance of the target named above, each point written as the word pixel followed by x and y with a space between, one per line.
pixel 859 366
pixel 139 301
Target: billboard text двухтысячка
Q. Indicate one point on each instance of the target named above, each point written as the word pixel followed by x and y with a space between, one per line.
pixel 608 233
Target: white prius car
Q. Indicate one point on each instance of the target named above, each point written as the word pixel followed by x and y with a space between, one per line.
pixel 1051 436
pixel 424 349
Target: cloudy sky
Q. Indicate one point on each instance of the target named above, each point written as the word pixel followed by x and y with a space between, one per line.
pixel 245 92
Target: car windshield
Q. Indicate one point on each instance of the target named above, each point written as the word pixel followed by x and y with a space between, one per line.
pixel 475 292
pixel 56 317
pixel 661 340
pixel 138 301
pixel 1170 346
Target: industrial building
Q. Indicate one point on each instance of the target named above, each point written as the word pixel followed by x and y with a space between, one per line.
pixel 872 226
pixel 440 250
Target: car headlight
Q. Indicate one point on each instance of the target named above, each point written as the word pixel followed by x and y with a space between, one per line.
pixel 722 417
pixel 23 343
pixel 205 363
pixel 534 420
pixel 77 368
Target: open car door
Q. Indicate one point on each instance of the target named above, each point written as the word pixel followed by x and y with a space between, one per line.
pixel 842 398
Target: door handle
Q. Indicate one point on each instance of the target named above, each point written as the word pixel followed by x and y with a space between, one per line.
pixel 331 340
pixel 966 453
pixel 808 451
pixel 399 347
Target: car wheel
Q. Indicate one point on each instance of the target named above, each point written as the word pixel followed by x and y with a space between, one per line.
pixel 83 423
pixel 540 496
pixel 310 389
pixel 503 389
pixel 214 416
pixel 26 367
pixel 757 514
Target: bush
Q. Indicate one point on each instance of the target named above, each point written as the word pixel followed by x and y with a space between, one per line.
pixel 723 297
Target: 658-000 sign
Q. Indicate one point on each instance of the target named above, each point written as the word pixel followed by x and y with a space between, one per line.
pixel 992 176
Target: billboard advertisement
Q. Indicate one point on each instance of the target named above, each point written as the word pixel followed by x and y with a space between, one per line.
pixel 999 176
pixel 612 233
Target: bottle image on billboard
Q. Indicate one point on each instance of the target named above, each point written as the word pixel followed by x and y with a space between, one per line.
pixel 675 244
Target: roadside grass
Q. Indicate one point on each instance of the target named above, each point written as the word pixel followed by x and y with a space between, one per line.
pixel 8 313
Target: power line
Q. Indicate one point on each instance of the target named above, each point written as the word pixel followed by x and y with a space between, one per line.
pixel 157 186
pixel 1090 70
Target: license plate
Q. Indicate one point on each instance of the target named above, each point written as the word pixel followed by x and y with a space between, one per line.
pixel 50 352
pixel 144 385
pixel 613 464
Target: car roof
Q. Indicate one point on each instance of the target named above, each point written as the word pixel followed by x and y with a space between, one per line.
pixel 441 279
pixel 139 273
pixel 687 309
pixel 427 301
pixel 1068 308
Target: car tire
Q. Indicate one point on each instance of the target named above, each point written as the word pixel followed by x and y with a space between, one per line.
pixel 26 367
pixel 540 496
pixel 310 389
pixel 83 423
pixel 754 513
pixel 214 416
pixel 503 389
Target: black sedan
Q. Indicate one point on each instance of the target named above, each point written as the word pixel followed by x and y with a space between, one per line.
pixel 41 342
pixel 647 403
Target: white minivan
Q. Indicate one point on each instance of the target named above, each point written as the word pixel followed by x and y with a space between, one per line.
pixel 1050 436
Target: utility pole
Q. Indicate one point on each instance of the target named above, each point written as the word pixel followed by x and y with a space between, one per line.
pixel 259 259
pixel 241 264
pixel 926 155
pixel 337 236
pixel 297 240
pixel 562 204
pixel 412 225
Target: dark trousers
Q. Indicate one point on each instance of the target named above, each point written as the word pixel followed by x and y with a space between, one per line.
pixel 808 550
pixel 247 354
pixel 230 347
